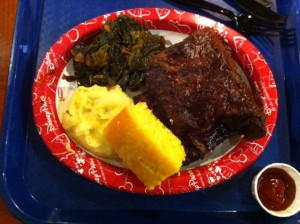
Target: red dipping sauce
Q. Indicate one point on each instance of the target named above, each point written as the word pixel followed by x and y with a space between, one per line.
pixel 276 189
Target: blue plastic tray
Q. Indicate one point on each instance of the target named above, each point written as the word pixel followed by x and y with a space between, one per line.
pixel 38 189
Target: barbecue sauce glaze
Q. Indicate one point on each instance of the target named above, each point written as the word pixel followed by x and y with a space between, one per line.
pixel 276 189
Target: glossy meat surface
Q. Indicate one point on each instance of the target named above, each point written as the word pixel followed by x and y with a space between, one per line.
pixel 194 89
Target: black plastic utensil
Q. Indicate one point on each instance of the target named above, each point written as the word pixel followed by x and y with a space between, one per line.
pixel 244 22
pixel 258 10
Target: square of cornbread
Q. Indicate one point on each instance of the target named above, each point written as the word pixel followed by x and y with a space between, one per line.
pixel 149 149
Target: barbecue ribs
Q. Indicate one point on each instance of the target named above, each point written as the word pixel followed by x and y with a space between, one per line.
pixel 194 89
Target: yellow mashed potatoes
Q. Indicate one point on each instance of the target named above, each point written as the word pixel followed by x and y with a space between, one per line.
pixel 88 112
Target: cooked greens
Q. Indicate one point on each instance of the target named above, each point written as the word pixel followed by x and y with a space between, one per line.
pixel 120 53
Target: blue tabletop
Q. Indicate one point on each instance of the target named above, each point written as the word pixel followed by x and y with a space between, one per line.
pixel 39 189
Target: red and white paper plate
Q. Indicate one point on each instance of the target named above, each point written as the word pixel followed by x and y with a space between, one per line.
pixel 50 93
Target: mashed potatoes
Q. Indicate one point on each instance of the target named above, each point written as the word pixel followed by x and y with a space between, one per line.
pixel 87 114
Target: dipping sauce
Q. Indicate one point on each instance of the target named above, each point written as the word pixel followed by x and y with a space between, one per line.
pixel 276 189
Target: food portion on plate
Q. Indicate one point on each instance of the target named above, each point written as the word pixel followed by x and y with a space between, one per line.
pixel 192 87
pixel 88 112
pixel 196 77
pixel 150 150
pixel 120 53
